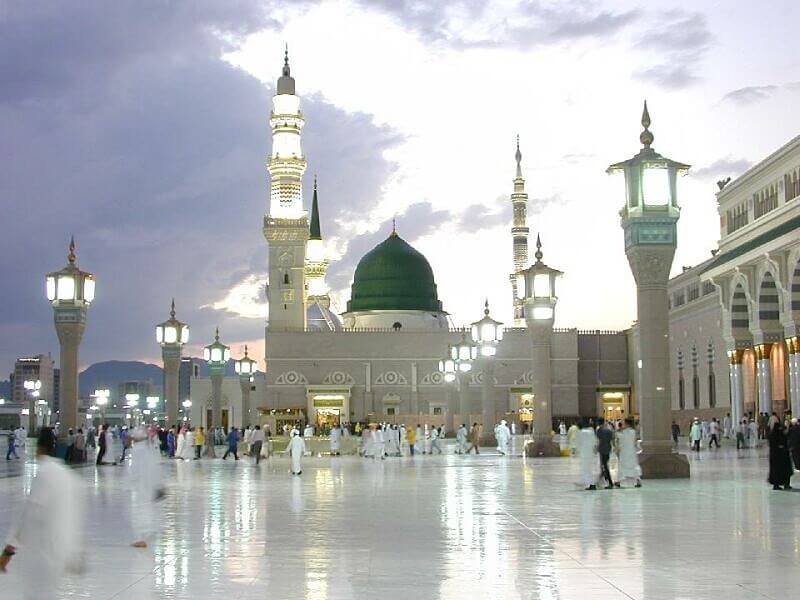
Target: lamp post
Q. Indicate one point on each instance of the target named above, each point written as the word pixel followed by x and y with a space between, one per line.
pixel 245 367
pixel 171 336
pixel 33 389
pixel 649 218
pixel 487 333
pixel 454 367
pixel 217 355
pixel 540 299
pixel 152 406
pixel 70 292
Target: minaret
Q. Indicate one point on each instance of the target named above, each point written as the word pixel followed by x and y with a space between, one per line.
pixel 286 225
pixel 316 261
pixel 519 234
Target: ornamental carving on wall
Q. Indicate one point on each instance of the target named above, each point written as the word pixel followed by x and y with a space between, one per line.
pixel 435 378
pixel 477 379
pixel 526 377
pixel 391 378
pixel 291 378
pixel 338 378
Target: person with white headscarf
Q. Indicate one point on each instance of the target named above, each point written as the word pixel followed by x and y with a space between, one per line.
pixel 461 439
pixel 48 535
pixel 296 449
pixel 180 447
pixel 588 457
pixel 503 435
pixel 147 487
pixel 308 432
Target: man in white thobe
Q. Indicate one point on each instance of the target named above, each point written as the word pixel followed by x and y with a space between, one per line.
pixel 587 454
pixel 308 432
pixel 461 439
pixel 627 455
pixel 336 434
pixel 503 435
pixel 296 449
pixel 147 488
pixel 435 440
pixel 21 436
pixel 727 430
pixel 379 443
pixel 48 534
pixel 752 429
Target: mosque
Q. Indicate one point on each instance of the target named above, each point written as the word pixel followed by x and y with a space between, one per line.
pixel 379 360
pixel 733 318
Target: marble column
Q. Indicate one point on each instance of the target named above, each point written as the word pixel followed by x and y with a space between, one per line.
pixel 487 399
pixel 69 337
pixel 217 372
pixel 764 377
pixel 737 386
pixel 171 355
pixel 793 349
pixel 464 408
pixel 541 335
pixel 650 266
pixel 244 382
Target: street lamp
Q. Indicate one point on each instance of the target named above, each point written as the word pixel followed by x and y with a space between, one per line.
pixel 245 367
pixel 487 333
pixel 187 404
pixel 101 399
pixel 33 389
pixel 649 220
pixel 70 292
pixel 217 355
pixel 171 335
pixel 539 298
pixel 455 366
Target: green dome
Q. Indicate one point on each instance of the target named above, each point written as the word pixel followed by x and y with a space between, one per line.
pixel 394 276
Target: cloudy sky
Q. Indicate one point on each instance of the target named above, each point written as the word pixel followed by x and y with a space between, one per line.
pixel 141 128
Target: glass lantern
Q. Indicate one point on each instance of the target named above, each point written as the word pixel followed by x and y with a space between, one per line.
pixel 172 331
pixel 217 353
pixel 245 366
pixel 487 333
pixel 70 286
pixel 540 282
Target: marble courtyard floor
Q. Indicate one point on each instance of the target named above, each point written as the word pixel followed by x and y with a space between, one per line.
pixel 447 527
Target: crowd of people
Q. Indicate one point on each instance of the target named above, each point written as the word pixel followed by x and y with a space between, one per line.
pixel 596 442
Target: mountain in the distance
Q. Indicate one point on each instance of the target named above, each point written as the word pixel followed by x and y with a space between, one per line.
pixel 110 373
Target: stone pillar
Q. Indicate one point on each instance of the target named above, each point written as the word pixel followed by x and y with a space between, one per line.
pixel 171 355
pixel 737 386
pixel 541 336
pixel 650 266
pixel 245 384
pixel 69 337
pixel 464 408
pixel 487 399
pixel 793 348
pixel 764 377
pixel 217 373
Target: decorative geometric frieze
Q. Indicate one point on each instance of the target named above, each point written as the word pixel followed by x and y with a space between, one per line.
pixel 338 378
pixel 291 378
pixel 391 378
pixel 526 377
pixel 435 378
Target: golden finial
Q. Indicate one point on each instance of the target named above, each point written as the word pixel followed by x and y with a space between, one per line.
pixel 172 309
pixel 538 254
pixel 71 256
pixel 486 307
pixel 646 137
pixel 245 350
pixel 216 335
pixel 394 226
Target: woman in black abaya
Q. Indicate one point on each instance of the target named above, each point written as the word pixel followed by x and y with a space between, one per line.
pixel 780 463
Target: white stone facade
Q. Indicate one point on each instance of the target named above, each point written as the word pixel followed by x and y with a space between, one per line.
pixel 736 315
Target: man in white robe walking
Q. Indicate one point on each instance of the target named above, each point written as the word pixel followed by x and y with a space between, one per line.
pixel 503 435
pixel 588 457
pixel 627 455
pixel 296 449
pixel 336 435
pixel 48 534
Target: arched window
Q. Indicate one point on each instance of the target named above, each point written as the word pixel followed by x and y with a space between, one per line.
pixel 397 325
pixel 681 385
pixel 712 388
pixel 286 278
pixel 696 390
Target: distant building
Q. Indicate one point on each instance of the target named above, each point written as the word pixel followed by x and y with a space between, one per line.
pixel 39 367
